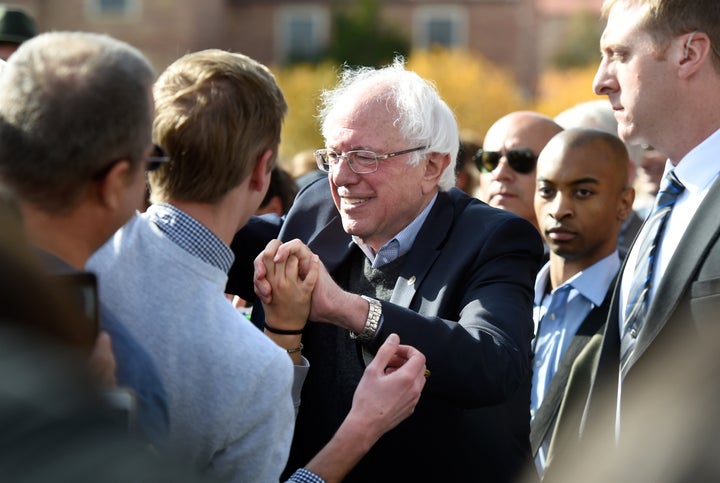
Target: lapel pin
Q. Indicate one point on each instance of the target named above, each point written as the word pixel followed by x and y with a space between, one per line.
pixel 411 280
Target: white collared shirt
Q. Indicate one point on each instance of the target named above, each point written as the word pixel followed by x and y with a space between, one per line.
pixel 697 171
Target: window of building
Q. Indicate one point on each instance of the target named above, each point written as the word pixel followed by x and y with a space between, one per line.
pixel 113 8
pixel 445 26
pixel 302 33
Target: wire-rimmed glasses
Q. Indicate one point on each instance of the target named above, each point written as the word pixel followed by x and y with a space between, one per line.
pixel 360 161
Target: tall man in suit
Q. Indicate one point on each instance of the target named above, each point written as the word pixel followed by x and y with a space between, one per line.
pixel 660 68
pixel 405 252
pixel 581 201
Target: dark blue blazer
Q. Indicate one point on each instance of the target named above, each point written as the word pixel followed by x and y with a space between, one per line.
pixel 464 298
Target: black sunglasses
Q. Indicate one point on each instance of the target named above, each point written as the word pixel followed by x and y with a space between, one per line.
pixel 520 160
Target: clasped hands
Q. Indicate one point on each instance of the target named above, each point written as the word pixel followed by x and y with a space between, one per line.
pixel 294 286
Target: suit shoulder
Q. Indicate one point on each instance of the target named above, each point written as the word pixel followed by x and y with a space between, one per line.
pixel 472 210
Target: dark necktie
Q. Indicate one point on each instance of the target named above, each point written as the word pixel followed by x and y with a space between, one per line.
pixel 639 294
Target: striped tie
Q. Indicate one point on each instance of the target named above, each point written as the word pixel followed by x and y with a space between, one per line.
pixel 639 294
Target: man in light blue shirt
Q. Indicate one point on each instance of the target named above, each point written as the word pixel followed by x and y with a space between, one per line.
pixel 581 200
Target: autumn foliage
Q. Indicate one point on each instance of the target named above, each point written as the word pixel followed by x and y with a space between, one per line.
pixel 478 91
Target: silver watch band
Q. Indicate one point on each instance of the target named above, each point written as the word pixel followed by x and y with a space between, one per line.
pixel 371 323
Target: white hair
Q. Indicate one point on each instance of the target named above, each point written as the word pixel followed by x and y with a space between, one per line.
pixel 424 119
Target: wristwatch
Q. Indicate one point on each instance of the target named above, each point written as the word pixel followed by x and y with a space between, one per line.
pixel 371 323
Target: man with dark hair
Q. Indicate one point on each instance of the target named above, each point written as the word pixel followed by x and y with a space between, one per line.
pixel 581 200
pixel 75 137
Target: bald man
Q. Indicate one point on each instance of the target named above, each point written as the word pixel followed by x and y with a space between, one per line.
pixel 507 161
pixel 581 199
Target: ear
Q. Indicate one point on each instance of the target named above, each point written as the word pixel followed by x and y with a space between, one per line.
pixel 694 51
pixel 112 188
pixel 260 175
pixel 435 166
pixel 627 197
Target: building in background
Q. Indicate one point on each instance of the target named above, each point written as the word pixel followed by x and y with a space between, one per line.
pixel 519 35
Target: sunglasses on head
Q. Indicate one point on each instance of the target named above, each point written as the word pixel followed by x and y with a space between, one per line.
pixel 520 160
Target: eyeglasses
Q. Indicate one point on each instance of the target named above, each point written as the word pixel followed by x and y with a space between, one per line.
pixel 360 161
pixel 156 158
pixel 152 162
pixel 521 160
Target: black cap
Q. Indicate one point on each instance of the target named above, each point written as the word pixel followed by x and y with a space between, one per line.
pixel 16 26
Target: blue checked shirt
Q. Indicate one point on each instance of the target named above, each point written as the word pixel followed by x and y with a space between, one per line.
pixel 304 476
pixel 191 235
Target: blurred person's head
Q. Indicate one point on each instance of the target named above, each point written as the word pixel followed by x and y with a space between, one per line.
pixel 508 158
pixel 76 114
pixel 305 169
pixel 303 162
pixel 391 144
pixel 467 177
pixel 280 194
pixel 599 114
pixel 218 117
pixel 16 26
pixel 650 171
pixel 582 196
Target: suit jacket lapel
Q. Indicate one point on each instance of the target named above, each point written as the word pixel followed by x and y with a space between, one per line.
pixel 680 271
pixel 331 243
pixel 425 251
pixel 548 410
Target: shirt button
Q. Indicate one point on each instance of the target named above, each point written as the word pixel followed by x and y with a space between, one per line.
pixel 633 333
pixel 538 363
pixel 552 316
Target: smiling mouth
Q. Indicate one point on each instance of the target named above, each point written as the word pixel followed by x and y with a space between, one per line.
pixel 354 201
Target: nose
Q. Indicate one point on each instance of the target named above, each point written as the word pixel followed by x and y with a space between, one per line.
pixel 503 171
pixel 341 174
pixel 603 82
pixel 560 207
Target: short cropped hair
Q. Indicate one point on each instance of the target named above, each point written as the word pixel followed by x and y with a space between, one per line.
pixel 578 137
pixel 71 104
pixel 216 112
pixel 669 18
pixel 424 119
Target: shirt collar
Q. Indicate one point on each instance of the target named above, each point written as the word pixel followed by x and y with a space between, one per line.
pixel 191 235
pixel 592 282
pixel 404 239
pixel 694 171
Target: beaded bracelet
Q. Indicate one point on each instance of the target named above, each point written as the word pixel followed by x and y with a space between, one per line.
pixel 296 349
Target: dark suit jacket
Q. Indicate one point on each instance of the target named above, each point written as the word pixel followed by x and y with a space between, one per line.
pixel 560 413
pixel 628 231
pixel 686 303
pixel 464 298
